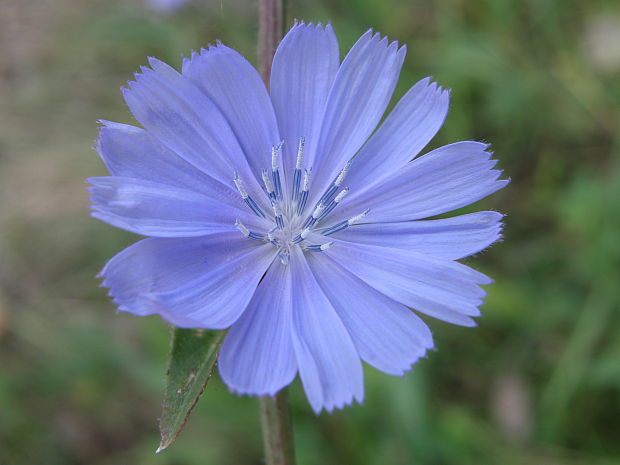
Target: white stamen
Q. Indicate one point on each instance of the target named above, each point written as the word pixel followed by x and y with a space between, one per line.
pixel 277 209
pixel 306 182
pixel 305 233
pixel 240 186
pixel 317 247
pixel 300 153
pixel 355 219
pixel 317 211
pixel 343 173
pixel 241 227
pixel 275 151
pixel 341 195
pixel 267 181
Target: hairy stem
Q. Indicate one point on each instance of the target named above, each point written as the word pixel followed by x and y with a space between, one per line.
pixel 270 28
pixel 277 429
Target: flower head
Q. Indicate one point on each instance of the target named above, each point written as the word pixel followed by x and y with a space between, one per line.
pixel 289 217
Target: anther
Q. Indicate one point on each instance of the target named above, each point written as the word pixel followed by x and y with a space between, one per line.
pixel 300 153
pixel 343 173
pixel 303 197
pixel 241 227
pixel 341 195
pixel 268 184
pixel 344 224
pixel 315 216
pixel 297 173
pixel 240 187
pixel 275 152
pixel 359 217
pixel 318 248
pixel 301 236
pixel 247 233
pixel 327 196
pixel 246 197
pixel 317 211
pixel 277 210
pixel 306 183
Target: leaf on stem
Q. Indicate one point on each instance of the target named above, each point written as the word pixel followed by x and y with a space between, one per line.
pixel 193 355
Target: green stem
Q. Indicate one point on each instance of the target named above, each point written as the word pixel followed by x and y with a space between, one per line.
pixel 277 429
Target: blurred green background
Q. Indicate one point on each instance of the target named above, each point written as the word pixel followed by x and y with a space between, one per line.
pixel 538 382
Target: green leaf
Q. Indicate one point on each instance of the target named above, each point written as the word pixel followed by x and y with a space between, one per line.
pixel 193 355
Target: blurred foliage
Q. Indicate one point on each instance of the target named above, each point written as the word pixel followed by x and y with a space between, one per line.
pixel 537 382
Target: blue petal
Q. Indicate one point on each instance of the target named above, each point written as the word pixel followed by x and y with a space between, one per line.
pixel 237 89
pixel 408 128
pixel 185 120
pixel 257 356
pixel 442 289
pixel 149 265
pixel 450 238
pixel 440 181
pixel 303 71
pixel 216 297
pixel 387 334
pixel 329 366
pixel 132 152
pixel 160 210
pixel 161 265
pixel 360 94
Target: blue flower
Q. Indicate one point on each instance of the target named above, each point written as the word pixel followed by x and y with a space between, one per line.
pixel 289 217
pixel 165 6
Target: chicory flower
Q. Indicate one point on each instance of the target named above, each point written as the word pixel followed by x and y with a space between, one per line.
pixel 288 217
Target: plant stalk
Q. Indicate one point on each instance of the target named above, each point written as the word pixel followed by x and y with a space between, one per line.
pixel 277 429
pixel 270 29
pixel 274 411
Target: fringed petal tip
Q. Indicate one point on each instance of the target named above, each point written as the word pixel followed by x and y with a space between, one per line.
pixel 384 40
pixel 435 88
pixel 299 23
pixel 422 354
pixel 486 148
pixel 157 67
pixel 319 408
pixel 105 124
pixel 216 47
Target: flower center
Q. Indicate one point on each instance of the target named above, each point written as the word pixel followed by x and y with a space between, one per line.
pixel 294 222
